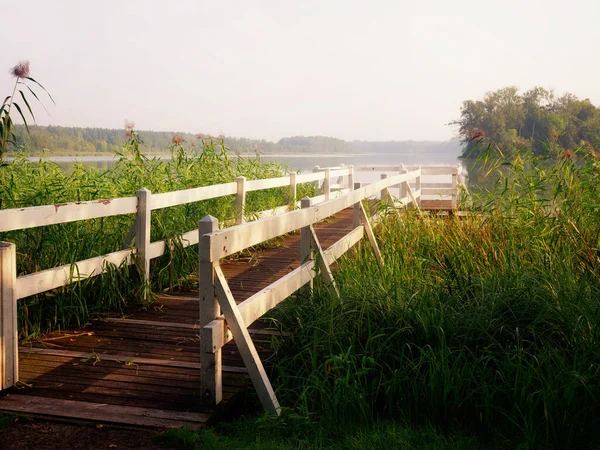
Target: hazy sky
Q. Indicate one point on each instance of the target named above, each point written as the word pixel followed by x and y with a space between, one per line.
pixel 376 70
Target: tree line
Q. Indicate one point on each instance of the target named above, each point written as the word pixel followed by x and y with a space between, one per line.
pixel 56 140
pixel 537 120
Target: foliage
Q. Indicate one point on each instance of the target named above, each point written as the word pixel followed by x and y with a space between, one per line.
pixel 296 432
pixel 22 82
pixel 6 420
pixel 24 183
pixel 84 141
pixel 537 120
pixel 487 322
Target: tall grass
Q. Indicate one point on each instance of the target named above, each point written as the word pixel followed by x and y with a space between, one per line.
pixel 24 183
pixel 489 322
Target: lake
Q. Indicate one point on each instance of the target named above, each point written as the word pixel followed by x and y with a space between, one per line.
pixel 304 163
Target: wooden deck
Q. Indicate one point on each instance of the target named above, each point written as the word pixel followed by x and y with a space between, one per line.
pixel 144 369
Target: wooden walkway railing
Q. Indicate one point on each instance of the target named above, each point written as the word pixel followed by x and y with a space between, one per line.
pixel 216 297
pixel 214 245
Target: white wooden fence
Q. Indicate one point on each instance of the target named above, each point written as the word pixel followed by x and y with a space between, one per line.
pixel 332 198
pixel 215 296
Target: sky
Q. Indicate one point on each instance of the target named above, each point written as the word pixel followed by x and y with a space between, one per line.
pixel 366 70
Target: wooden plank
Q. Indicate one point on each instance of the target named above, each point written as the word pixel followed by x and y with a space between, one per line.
pixel 365 220
pixel 135 385
pixel 245 345
pixel 59 276
pixel 167 199
pixel 240 200
pixel 308 177
pixel 142 233
pixel 417 191
pixel 100 412
pixel 123 359
pixel 254 307
pixel 438 191
pixel 327 184
pixel 9 357
pixel 305 251
pixel 341 172
pixel 325 270
pixel 135 378
pixel 436 185
pixel 237 238
pixel 439 170
pixel 455 193
pixel 336 250
pixel 99 396
pixel 136 374
pixel 269 183
pixel 293 193
pixel 187 326
pixel 37 216
pixel 376 168
pixel 412 196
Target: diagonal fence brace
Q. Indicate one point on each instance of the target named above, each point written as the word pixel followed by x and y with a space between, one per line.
pixel 325 269
pixel 246 347
pixel 364 218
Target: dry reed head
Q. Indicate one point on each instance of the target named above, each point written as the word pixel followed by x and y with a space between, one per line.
pixel 21 70
pixel 477 133
pixel 129 126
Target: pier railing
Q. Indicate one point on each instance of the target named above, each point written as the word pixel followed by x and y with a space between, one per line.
pixel 141 250
pixel 222 319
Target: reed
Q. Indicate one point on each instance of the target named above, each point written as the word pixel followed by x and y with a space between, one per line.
pixel 24 183
pixel 488 323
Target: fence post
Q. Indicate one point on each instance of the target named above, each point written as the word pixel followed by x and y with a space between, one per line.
pixel 351 178
pixel 240 200
pixel 418 187
pixel 356 213
pixel 317 169
pixel 305 252
pixel 454 190
pixel 293 190
pixel 211 384
pixel 384 192
pixel 340 179
pixel 403 187
pixel 142 231
pixel 327 184
pixel 9 352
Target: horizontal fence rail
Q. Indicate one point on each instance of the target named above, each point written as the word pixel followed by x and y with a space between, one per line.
pixel 36 216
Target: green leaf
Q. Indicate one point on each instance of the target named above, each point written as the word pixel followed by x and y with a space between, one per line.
pixel 31 79
pixel 27 104
pixel 32 92
pixel 16 105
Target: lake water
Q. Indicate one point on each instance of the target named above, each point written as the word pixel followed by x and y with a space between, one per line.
pixel 304 163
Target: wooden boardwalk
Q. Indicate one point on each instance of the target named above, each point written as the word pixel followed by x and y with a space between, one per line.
pixel 144 369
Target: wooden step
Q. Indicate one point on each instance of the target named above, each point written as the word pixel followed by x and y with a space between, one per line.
pixel 54 408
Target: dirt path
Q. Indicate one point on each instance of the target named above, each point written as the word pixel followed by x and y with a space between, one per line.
pixel 24 434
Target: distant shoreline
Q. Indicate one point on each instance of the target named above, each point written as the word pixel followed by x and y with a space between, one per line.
pixel 101 157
